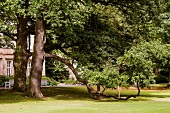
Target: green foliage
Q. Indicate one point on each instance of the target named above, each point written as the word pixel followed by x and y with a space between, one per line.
pixel 70 81
pixel 107 31
pixel 51 81
pixel 108 77
pixel 138 65
pixel 6 42
pixel 55 70
pixel 3 79
pixel 11 77
pixel 164 22
pixel 97 33
pixel 161 79
pixel 94 40
pixel 140 61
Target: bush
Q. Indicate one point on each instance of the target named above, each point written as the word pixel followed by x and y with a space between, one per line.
pixel 51 81
pixel 3 79
pixel 161 79
pixel 11 77
pixel 70 81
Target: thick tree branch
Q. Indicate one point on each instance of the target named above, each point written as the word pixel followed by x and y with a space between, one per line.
pixel 66 62
pixel 121 98
pixel 63 51
pixel 70 65
pixel 115 97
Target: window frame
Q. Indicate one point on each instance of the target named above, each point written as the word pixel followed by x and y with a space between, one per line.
pixel 8 68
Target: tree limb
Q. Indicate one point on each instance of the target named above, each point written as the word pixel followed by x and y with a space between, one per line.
pixel 117 98
pixel 66 62
pixel 63 51
pixel 70 65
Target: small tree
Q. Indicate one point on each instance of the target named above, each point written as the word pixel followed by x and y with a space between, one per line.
pixel 140 62
pixel 136 66
pixel 109 77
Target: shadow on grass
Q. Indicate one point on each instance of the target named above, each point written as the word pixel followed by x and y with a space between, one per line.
pixel 132 99
pixel 78 93
pixel 9 96
pixel 66 93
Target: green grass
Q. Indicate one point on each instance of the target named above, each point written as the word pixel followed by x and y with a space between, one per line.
pixel 76 100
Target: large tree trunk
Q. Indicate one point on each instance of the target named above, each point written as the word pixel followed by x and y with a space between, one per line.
pixel 37 59
pixel 21 56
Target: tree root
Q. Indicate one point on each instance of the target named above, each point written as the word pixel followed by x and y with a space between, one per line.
pixel 99 96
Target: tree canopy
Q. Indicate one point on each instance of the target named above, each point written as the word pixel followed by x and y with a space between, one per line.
pixel 101 33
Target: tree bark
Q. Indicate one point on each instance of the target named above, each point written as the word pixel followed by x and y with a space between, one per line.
pixel 21 56
pixel 98 88
pixel 118 91
pixel 37 59
pixel 157 71
pixel 138 86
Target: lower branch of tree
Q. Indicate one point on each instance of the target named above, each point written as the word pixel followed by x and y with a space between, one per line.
pixel 70 65
pixel 97 95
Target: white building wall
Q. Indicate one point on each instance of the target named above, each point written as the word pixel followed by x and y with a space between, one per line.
pixel 6 55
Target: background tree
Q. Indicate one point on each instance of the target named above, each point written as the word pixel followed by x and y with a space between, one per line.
pixel 141 60
pixel 14 24
pixel 56 70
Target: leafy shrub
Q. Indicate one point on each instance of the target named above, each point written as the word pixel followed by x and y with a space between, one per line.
pixel 3 79
pixel 109 77
pixel 51 81
pixel 11 77
pixel 70 81
pixel 161 79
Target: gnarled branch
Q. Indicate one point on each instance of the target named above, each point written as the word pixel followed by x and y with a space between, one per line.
pixel 70 65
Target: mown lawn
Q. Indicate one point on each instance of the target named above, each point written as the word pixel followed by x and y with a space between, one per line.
pixel 76 100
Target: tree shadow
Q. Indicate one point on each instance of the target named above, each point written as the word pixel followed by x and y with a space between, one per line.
pixel 80 93
pixel 76 93
pixel 9 96
pixel 66 93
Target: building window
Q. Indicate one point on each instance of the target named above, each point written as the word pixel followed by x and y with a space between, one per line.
pixel 28 68
pixel 9 68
